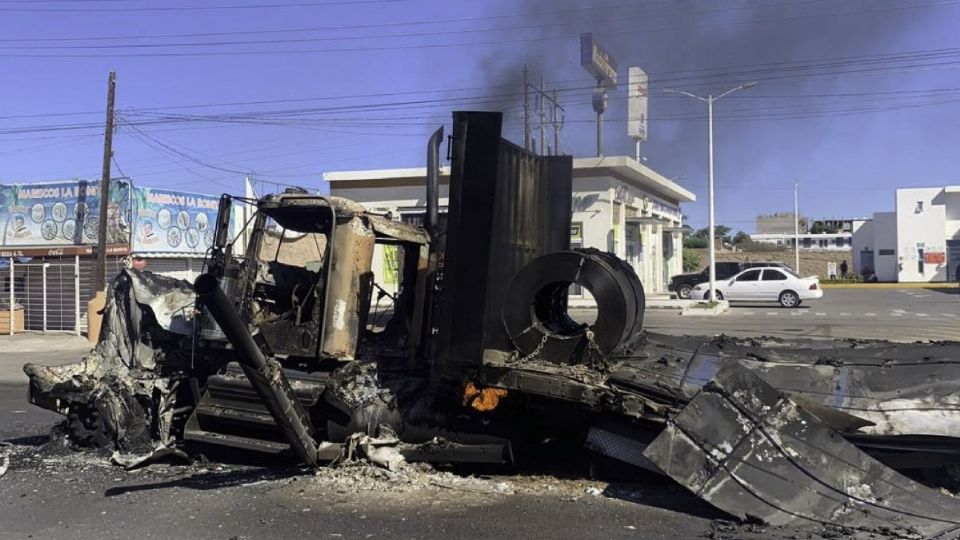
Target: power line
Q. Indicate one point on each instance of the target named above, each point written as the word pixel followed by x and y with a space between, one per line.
pixel 662 78
pixel 377 36
pixel 170 9
pixel 426 22
pixel 422 46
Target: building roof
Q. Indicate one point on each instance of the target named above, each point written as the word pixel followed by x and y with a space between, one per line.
pixel 633 172
pixel 623 168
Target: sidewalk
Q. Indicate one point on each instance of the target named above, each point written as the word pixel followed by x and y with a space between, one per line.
pixel 49 349
pixel 940 285
pixel 30 343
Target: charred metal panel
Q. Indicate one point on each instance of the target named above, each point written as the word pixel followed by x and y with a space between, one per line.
pixel 747 449
pixel 349 282
pixel 506 207
pixel 898 388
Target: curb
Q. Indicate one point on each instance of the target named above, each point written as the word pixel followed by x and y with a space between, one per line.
pixel 934 286
pixel 694 310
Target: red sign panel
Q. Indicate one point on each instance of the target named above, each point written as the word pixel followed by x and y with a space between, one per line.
pixel 935 257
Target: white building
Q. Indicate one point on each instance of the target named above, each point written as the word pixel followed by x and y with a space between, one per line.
pixel 919 241
pixel 840 241
pixel 619 205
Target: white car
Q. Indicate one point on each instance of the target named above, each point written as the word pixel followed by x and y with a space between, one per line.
pixel 767 284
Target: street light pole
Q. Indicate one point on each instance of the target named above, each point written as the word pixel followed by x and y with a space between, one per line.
pixel 712 296
pixel 796 224
pixel 710 243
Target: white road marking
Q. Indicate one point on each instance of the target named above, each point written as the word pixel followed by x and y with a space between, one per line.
pixel 897 314
pixel 869 314
pixel 844 314
pixel 949 314
pixel 921 315
pixel 796 313
pixel 820 314
pixel 771 313
pixel 746 312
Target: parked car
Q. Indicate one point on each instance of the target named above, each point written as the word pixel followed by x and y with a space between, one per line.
pixel 766 284
pixel 682 284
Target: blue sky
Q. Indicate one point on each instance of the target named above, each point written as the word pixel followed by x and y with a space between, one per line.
pixel 855 97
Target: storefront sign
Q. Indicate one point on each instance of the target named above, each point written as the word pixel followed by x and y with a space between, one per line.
pixel 62 214
pixel 173 222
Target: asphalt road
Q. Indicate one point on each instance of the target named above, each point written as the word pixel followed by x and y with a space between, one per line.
pixel 51 491
pixel 896 314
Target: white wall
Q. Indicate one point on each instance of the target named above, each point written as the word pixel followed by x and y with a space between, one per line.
pixel 591 207
pixel 863 239
pixel 379 198
pixel 920 228
pixel 885 238
pixel 952 214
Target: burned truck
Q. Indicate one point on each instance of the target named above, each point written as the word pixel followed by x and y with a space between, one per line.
pixel 288 345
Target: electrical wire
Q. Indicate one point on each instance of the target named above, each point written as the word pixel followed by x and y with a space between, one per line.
pixel 424 46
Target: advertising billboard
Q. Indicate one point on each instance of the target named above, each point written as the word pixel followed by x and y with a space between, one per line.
pixel 597 61
pixel 62 214
pixel 170 221
pixel 637 104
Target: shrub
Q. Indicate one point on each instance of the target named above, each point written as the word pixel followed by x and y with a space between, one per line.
pixel 694 242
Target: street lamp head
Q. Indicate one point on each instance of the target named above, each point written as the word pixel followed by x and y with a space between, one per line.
pixel 749 85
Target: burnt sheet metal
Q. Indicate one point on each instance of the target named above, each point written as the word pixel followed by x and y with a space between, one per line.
pixel 349 285
pixel 747 449
pixel 121 393
pixel 897 389
pixel 507 206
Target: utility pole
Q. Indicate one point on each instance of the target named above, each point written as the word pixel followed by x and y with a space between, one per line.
pixel 796 224
pixel 100 282
pixel 543 120
pixel 526 111
pixel 556 125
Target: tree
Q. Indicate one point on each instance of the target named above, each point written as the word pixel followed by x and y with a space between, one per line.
pixel 821 228
pixel 741 238
pixel 720 231
pixel 695 242
pixel 691 261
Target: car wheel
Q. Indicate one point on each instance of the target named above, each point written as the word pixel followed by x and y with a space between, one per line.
pixel 706 295
pixel 684 291
pixel 789 299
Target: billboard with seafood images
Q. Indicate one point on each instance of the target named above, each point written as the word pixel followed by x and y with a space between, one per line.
pixel 62 214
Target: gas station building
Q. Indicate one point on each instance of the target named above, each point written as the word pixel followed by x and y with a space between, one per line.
pixel 619 205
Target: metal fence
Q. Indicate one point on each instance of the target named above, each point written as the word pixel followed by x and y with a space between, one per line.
pixel 41 296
